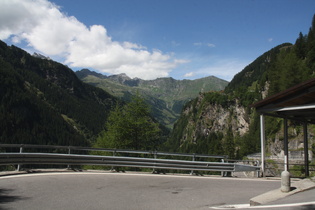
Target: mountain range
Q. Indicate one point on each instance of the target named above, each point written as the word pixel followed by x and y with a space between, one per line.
pixel 43 102
pixel 165 96
pixel 225 123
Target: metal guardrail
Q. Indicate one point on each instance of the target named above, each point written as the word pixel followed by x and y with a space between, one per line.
pixel 71 149
pixel 18 158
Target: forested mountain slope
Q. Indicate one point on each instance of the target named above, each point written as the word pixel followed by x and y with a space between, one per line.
pixel 43 102
pixel 224 122
pixel 166 96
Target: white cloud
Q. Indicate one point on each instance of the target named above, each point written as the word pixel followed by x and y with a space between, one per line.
pixel 210 45
pixel 190 74
pixel 175 44
pixel 222 68
pixel 270 39
pixel 46 29
pixel 199 44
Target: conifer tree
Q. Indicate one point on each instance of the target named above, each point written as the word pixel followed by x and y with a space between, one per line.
pixel 229 145
pixel 300 46
pixel 311 45
pixel 130 127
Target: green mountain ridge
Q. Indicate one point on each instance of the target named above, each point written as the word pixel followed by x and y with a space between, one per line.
pixel 224 122
pixel 43 102
pixel 166 96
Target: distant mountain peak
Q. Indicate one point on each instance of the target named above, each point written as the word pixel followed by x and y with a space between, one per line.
pixel 120 76
pixel 37 55
pixel 165 95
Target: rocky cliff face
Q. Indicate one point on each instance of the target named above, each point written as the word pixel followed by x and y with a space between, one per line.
pixel 205 118
pixel 225 120
pixel 275 147
pixel 201 119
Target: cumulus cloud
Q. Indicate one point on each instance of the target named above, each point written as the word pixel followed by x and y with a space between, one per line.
pixel 45 28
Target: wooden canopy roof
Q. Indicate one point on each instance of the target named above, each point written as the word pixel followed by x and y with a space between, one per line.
pixel 297 103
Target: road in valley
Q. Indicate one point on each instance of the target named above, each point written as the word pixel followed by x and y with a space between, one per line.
pixel 80 190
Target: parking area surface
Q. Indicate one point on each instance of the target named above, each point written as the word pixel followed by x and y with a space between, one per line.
pixel 80 190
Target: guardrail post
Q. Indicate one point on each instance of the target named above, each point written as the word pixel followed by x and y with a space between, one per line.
pixel 193 159
pixel 69 152
pixel 21 151
pixel 155 157
pixel 257 172
pixel 114 154
pixel 223 173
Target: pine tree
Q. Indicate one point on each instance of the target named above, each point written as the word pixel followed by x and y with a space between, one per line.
pixel 130 127
pixel 229 144
pixel 311 45
pixel 300 46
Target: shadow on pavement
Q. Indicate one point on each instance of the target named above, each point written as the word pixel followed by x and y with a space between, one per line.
pixel 7 197
pixel 307 207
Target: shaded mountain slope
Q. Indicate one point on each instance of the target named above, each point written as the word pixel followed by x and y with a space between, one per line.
pixel 43 102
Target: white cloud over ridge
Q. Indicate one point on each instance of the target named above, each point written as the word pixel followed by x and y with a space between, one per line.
pixel 189 74
pixel 45 28
pixel 222 68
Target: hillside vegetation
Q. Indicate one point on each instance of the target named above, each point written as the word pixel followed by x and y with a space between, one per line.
pixel 166 96
pixel 224 122
pixel 43 102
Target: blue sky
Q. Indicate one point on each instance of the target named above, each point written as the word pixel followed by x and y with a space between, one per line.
pixel 183 39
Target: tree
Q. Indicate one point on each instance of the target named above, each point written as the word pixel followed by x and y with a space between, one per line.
pixel 229 144
pixel 311 45
pixel 130 127
pixel 300 46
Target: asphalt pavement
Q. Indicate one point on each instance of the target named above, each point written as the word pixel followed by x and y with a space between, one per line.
pixel 300 197
pixel 105 190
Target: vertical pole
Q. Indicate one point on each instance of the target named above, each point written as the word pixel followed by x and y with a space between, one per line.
pixel 69 152
pixel 257 172
pixel 286 142
pixel 21 151
pixel 154 171
pixel 222 172
pixel 114 154
pixel 193 159
pixel 262 144
pixel 285 175
pixel 285 163
pixel 285 178
pixel 306 165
